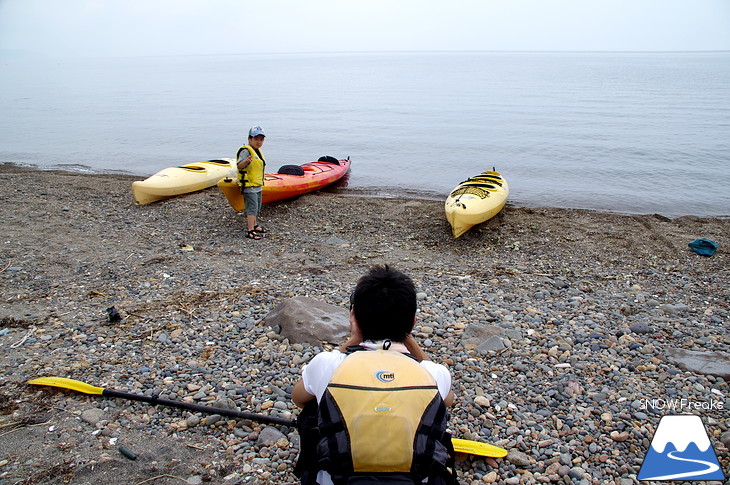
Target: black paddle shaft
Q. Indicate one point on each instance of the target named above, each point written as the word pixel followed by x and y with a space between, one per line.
pixel 199 408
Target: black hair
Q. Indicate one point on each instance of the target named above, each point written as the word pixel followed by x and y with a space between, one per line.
pixel 384 302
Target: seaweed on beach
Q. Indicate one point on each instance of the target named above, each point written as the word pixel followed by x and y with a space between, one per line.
pixel 11 322
pixel 7 404
pixel 58 473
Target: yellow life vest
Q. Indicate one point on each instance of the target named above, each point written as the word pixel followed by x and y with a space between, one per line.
pixel 253 174
pixel 382 413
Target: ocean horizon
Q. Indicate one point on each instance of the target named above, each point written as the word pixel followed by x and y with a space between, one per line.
pixel 626 132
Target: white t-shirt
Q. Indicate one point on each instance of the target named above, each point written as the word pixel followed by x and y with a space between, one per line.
pixel 318 373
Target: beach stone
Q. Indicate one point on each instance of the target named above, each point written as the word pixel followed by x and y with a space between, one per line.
pixel 306 320
pixel 576 473
pixel 490 477
pixel 269 435
pixel 212 419
pixel 482 401
pixel 706 363
pixel 670 309
pixel 335 241
pixel 640 327
pixel 560 283
pixel 478 333
pixel 492 344
pixel 92 416
pixel 518 458
pixel 226 403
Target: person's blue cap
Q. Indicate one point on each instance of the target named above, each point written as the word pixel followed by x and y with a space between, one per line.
pixel 256 130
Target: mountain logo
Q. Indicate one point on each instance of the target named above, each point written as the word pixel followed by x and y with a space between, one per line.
pixel 681 450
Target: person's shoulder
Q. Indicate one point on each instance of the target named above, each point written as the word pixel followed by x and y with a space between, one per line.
pixel 331 356
pixel 322 366
pixel 245 150
pixel 433 367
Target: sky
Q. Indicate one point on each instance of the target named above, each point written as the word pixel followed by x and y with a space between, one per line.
pixel 81 28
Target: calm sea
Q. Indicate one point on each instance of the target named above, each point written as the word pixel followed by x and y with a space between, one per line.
pixel 623 132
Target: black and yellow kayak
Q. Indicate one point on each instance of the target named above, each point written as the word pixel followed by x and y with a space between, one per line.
pixel 476 200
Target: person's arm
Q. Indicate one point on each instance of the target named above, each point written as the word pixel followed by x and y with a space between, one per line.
pixel 416 351
pixel 355 334
pixel 299 395
pixel 243 162
pixel 449 401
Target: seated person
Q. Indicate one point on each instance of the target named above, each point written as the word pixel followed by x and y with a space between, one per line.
pixel 374 411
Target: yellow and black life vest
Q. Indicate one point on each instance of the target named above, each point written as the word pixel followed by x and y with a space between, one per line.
pixel 382 414
pixel 253 174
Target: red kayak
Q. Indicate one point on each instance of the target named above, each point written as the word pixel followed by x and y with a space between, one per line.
pixel 291 181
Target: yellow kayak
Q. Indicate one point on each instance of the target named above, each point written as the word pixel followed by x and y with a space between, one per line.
pixel 475 200
pixel 173 181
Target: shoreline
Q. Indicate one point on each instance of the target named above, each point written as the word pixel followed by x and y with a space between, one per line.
pixel 339 189
pixel 589 304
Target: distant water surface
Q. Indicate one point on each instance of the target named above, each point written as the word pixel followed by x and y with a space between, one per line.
pixel 623 132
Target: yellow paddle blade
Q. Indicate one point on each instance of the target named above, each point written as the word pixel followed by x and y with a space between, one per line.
pixel 67 384
pixel 477 448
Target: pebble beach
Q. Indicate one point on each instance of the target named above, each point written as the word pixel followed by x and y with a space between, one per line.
pixel 586 307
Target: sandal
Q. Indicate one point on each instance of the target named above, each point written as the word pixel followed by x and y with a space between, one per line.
pixel 259 229
pixel 253 235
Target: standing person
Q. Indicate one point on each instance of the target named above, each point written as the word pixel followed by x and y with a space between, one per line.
pixel 251 164
pixel 374 411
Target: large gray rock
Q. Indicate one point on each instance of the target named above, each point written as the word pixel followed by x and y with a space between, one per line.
pixel 477 333
pixel 708 363
pixel 492 344
pixel 306 320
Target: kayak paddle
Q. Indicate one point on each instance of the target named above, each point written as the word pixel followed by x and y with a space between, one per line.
pixel 460 445
pixel 85 388
pixel 477 448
